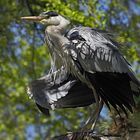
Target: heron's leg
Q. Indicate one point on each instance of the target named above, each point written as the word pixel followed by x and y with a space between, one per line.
pixel 91 122
pixel 94 120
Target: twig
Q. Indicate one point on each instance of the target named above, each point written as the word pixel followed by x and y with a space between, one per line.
pixel 89 135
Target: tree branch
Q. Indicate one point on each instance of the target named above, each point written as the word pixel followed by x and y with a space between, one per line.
pixel 84 136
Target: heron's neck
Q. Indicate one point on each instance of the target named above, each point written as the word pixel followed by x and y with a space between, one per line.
pixel 56 41
pixel 56 34
pixel 55 30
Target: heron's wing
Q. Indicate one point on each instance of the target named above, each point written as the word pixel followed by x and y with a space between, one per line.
pixel 79 95
pixel 97 55
pixel 97 52
pixel 50 88
pixel 60 90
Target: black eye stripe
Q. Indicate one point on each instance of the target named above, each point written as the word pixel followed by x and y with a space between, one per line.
pixel 49 14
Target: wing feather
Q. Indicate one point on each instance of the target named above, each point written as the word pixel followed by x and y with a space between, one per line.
pixel 60 90
pixel 97 52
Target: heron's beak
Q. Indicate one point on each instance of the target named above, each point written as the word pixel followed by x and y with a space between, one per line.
pixel 33 18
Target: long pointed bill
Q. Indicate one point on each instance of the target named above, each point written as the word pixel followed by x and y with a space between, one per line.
pixel 32 18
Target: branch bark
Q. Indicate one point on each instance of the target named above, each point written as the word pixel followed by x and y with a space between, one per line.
pixel 85 136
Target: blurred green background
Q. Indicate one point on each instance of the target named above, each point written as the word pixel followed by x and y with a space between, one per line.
pixel 24 57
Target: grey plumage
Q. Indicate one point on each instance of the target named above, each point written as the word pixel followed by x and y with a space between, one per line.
pixel 83 58
pixel 60 90
pixel 101 54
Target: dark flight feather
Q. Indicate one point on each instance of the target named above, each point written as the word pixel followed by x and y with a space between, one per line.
pixel 98 57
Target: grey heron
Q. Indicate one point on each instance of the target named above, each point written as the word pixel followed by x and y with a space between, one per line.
pixel 87 67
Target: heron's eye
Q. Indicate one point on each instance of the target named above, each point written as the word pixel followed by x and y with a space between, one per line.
pixel 44 15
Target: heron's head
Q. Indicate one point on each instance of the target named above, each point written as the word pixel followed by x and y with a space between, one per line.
pixel 49 19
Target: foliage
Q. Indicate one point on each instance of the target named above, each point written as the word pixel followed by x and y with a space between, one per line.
pixel 23 58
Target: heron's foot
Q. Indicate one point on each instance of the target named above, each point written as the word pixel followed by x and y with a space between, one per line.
pixel 80 135
pixel 90 135
pixel 86 131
